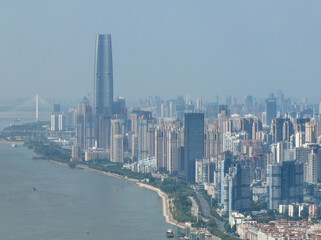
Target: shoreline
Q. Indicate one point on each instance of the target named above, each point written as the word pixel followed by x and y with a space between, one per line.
pixel 11 142
pixel 165 200
pixel 166 205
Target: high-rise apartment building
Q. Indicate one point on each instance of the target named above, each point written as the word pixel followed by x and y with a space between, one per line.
pixel 167 147
pixel 193 142
pixel 285 183
pixel 57 119
pixel 237 192
pixel 103 88
pixel 313 168
pixel 212 140
pixel 116 140
pixel 281 129
pixel 85 125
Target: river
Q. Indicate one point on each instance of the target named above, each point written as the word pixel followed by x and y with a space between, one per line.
pixel 40 200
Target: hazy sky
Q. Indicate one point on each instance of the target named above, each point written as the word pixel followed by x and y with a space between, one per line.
pixel 165 47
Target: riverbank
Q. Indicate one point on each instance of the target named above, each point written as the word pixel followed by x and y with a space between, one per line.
pixel 11 142
pixel 165 200
pixel 166 206
pixel 86 168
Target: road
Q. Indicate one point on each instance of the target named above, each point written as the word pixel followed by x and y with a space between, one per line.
pixel 207 213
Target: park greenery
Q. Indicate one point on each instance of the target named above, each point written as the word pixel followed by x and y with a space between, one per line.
pixel 49 150
pixel 118 169
pixel 24 130
pixel 179 192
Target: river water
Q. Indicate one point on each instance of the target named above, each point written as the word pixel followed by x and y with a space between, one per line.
pixel 71 203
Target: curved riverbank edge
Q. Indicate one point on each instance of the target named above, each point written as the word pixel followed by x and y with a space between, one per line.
pixel 165 200
pixel 166 206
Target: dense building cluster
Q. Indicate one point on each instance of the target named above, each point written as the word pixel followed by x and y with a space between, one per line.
pixel 283 230
pixel 257 150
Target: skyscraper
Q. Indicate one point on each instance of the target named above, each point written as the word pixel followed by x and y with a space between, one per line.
pixel 84 125
pixel 103 85
pixel 193 142
pixel 285 183
pixel 270 109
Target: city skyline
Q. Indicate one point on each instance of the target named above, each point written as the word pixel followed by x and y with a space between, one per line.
pixel 229 49
pixel 214 106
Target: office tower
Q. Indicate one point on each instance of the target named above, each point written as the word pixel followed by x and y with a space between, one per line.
pixel 285 183
pixel 193 142
pixel 103 84
pixel 85 125
pixel 270 109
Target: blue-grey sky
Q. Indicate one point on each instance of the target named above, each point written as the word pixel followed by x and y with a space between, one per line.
pixel 164 47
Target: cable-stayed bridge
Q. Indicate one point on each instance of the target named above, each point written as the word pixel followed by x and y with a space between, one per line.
pixel 33 105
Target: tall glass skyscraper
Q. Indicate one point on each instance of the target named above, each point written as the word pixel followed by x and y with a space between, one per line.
pixel 193 142
pixel 103 86
pixel 270 109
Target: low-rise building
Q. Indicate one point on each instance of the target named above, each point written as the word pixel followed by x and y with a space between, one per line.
pixel 96 153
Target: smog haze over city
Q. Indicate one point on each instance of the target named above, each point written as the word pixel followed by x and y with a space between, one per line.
pixel 145 119
pixel 162 48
